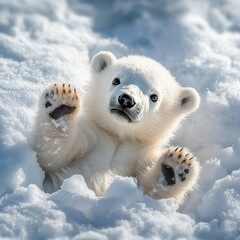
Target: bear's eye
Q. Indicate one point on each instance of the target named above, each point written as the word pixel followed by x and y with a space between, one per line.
pixel 116 81
pixel 154 97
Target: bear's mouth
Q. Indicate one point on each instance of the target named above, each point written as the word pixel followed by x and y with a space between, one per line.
pixel 121 113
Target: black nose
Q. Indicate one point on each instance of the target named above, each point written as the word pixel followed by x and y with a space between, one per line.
pixel 126 101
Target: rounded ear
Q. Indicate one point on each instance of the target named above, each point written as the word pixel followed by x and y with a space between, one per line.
pixel 189 100
pixel 102 60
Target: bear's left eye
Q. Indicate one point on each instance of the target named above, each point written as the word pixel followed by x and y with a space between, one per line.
pixel 116 81
pixel 154 97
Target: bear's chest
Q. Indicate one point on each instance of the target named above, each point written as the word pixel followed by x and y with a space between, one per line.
pixel 110 155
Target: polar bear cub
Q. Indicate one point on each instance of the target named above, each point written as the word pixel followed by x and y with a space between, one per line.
pixel 120 125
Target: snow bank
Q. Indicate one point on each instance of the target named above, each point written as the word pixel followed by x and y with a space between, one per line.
pixel 52 41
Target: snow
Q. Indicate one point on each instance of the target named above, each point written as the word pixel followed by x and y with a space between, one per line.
pixel 42 42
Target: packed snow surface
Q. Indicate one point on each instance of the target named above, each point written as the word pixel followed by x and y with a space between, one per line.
pixel 42 42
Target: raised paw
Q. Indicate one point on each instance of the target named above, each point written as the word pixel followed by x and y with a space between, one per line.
pixel 60 100
pixel 177 166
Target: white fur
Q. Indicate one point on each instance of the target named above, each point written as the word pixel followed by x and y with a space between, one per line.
pixel 99 145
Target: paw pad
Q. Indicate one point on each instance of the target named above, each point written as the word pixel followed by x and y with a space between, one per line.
pixel 60 100
pixel 168 174
pixel 177 166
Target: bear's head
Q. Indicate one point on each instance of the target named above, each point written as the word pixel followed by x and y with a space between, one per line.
pixel 135 98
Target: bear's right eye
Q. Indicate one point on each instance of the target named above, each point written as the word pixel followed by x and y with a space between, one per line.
pixel 116 81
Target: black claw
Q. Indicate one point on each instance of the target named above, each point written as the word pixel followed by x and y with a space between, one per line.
pixel 184 161
pixel 179 156
pixel 181 149
pixel 168 174
pixel 176 149
pixel 170 155
pixel 186 171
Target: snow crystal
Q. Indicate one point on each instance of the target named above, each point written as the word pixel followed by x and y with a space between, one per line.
pixel 60 123
pixel 46 139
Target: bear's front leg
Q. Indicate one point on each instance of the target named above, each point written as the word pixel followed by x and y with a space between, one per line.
pixel 55 127
pixel 175 173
